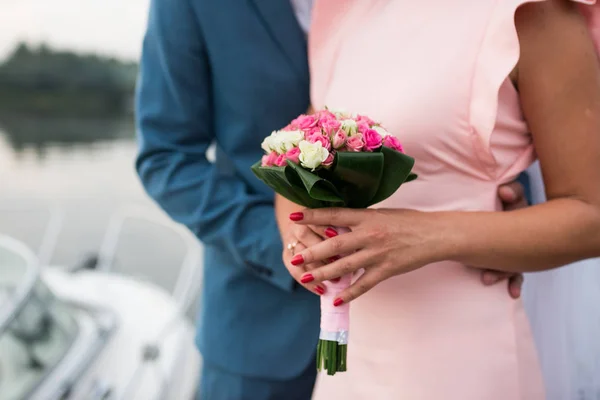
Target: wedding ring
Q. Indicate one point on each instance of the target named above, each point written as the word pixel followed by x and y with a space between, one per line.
pixel 292 246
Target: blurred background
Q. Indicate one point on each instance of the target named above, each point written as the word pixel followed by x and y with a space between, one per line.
pixel 67 138
pixel 67 149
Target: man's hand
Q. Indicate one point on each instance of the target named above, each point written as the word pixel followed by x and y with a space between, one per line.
pixel 512 196
pixel 515 281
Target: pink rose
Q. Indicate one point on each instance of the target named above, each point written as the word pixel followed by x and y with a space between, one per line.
pixel 268 160
pixel 305 121
pixel 339 139
pixel 265 161
pixel 315 130
pixel 393 143
pixel 329 125
pixel 365 119
pixel 325 114
pixel 328 161
pixel 293 155
pixel 280 160
pixel 318 137
pixel 363 127
pixel 355 143
pixel 373 140
pixel 289 127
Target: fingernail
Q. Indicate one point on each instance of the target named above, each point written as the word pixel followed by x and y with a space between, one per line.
pixel 490 279
pixel 334 259
pixel 320 290
pixel 297 216
pixel 517 293
pixel 335 280
pixel 330 232
pixel 338 302
pixel 307 278
pixel 512 195
pixel 297 259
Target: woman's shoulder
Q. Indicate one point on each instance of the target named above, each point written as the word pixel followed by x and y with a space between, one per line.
pixel 499 53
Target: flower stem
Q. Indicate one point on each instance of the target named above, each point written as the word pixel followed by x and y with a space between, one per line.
pixel 331 356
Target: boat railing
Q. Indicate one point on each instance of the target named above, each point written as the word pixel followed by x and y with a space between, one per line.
pixel 189 279
pixel 51 232
pixel 19 291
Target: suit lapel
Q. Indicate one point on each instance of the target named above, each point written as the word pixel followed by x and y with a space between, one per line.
pixel 280 20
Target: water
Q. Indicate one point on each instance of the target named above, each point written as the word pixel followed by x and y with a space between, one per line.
pixel 85 167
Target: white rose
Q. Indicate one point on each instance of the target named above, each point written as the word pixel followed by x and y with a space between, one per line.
pixel 276 144
pixel 267 144
pixel 350 127
pixel 289 139
pixel 382 132
pixel 283 141
pixel 312 155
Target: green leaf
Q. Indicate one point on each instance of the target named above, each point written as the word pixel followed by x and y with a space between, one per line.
pixel 276 179
pixel 356 180
pixel 396 170
pixel 357 176
pixel 411 177
pixel 317 187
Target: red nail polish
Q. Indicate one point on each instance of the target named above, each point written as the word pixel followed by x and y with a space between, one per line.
pixel 335 280
pixel 319 290
pixel 297 216
pixel 297 259
pixel 338 302
pixel 334 259
pixel 330 232
pixel 307 278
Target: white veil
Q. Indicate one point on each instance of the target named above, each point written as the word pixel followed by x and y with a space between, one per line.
pixel 564 309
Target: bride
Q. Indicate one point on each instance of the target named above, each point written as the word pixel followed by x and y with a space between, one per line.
pixel 474 90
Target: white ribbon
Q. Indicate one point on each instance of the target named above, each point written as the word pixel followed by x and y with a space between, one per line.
pixel 341 337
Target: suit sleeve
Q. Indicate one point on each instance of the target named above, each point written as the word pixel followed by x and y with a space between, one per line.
pixel 175 129
pixel 524 179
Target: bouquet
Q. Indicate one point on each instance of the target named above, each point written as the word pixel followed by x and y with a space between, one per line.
pixel 334 159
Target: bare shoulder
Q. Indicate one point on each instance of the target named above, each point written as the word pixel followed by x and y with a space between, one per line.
pixel 549 23
pixel 547 30
pixel 559 86
pixel 555 42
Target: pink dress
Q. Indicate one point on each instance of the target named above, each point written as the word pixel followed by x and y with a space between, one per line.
pixel 435 73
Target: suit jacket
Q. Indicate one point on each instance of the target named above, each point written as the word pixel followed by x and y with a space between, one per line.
pixel 228 72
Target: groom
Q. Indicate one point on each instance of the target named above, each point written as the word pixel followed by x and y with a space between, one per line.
pixel 229 72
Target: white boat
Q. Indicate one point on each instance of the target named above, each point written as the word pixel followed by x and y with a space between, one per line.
pixel 93 334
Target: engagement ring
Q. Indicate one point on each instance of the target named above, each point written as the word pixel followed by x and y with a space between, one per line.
pixel 292 246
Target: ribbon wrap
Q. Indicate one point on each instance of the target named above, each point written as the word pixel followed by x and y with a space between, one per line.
pixel 335 321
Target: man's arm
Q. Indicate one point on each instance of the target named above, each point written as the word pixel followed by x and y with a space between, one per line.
pixel 175 125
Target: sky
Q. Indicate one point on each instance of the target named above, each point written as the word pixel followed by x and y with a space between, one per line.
pixel 108 27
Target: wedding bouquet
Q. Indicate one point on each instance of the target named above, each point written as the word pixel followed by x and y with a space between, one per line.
pixel 334 159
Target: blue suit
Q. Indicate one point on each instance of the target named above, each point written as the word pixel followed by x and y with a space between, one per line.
pixel 229 72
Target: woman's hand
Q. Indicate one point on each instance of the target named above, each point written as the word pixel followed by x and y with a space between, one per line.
pixel 296 239
pixel 383 242
pixel 511 194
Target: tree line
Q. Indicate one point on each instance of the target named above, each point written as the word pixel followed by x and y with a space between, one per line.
pixel 45 81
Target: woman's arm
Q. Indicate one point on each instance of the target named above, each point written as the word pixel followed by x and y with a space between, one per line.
pixel 559 84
